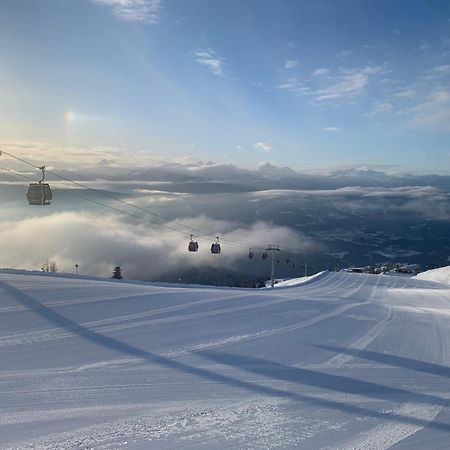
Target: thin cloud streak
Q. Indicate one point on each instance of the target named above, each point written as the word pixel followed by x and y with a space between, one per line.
pixel 291 63
pixel 321 72
pixel 147 11
pixel 211 60
pixel 349 83
pixel 265 146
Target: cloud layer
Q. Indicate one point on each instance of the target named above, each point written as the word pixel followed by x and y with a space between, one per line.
pixel 97 243
pixel 306 213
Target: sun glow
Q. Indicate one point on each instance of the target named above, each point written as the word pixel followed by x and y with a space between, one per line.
pixel 70 117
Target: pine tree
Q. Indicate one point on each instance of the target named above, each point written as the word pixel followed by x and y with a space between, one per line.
pixel 117 273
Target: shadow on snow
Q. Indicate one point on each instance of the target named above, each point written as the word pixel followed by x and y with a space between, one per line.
pixel 259 366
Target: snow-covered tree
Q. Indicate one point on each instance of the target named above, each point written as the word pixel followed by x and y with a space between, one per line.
pixel 49 266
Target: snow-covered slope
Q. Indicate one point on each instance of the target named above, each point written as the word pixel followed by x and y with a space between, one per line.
pixel 441 275
pixel 342 361
pixel 298 281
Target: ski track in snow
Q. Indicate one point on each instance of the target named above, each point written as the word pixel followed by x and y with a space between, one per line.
pixel 385 436
pixel 245 425
pixel 116 323
pixel 393 331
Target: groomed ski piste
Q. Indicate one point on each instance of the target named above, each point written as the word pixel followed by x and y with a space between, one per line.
pixel 337 361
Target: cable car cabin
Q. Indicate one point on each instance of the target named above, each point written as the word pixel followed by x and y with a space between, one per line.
pixel 39 194
pixel 250 254
pixel 215 247
pixel 193 246
pixel 265 255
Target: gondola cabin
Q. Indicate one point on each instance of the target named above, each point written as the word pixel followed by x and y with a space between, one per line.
pixel 215 246
pixel 39 194
pixel 193 246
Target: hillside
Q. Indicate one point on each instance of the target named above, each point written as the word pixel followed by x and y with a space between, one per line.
pixel 341 360
pixel 441 275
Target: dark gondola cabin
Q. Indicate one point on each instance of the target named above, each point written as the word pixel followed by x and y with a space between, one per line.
pixel 193 245
pixel 215 246
pixel 39 194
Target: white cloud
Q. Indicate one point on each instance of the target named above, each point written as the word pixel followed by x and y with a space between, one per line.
pixel 147 11
pixel 211 60
pixel 73 158
pixel 265 146
pixel 291 63
pixel 350 83
pixel 344 54
pixel 295 86
pixel 99 242
pixel 432 113
pixel 381 108
pixel 444 69
pixel 321 72
pixel 424 45
pixel 407 93
pixel 437 73
pixel 332 129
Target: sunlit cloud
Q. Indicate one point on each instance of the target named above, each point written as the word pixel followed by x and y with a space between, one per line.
pixel 72 157
pixel 265 146
pixel 147 11
pixel 97 243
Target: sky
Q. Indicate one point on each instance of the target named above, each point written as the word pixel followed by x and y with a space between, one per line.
pixel 322 126
pixel 309 85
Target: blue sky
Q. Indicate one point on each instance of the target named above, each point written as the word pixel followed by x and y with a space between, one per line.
pixel 306 84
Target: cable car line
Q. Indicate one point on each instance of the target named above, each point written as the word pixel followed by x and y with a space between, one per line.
pixel 199 233
pixel 193 245
pixel 105 194
pixel 70 192
pixel 121 211
pixel 184 227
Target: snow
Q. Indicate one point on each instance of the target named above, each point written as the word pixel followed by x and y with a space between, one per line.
pixel 337 360
pixel 441 275
pixel 301 280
